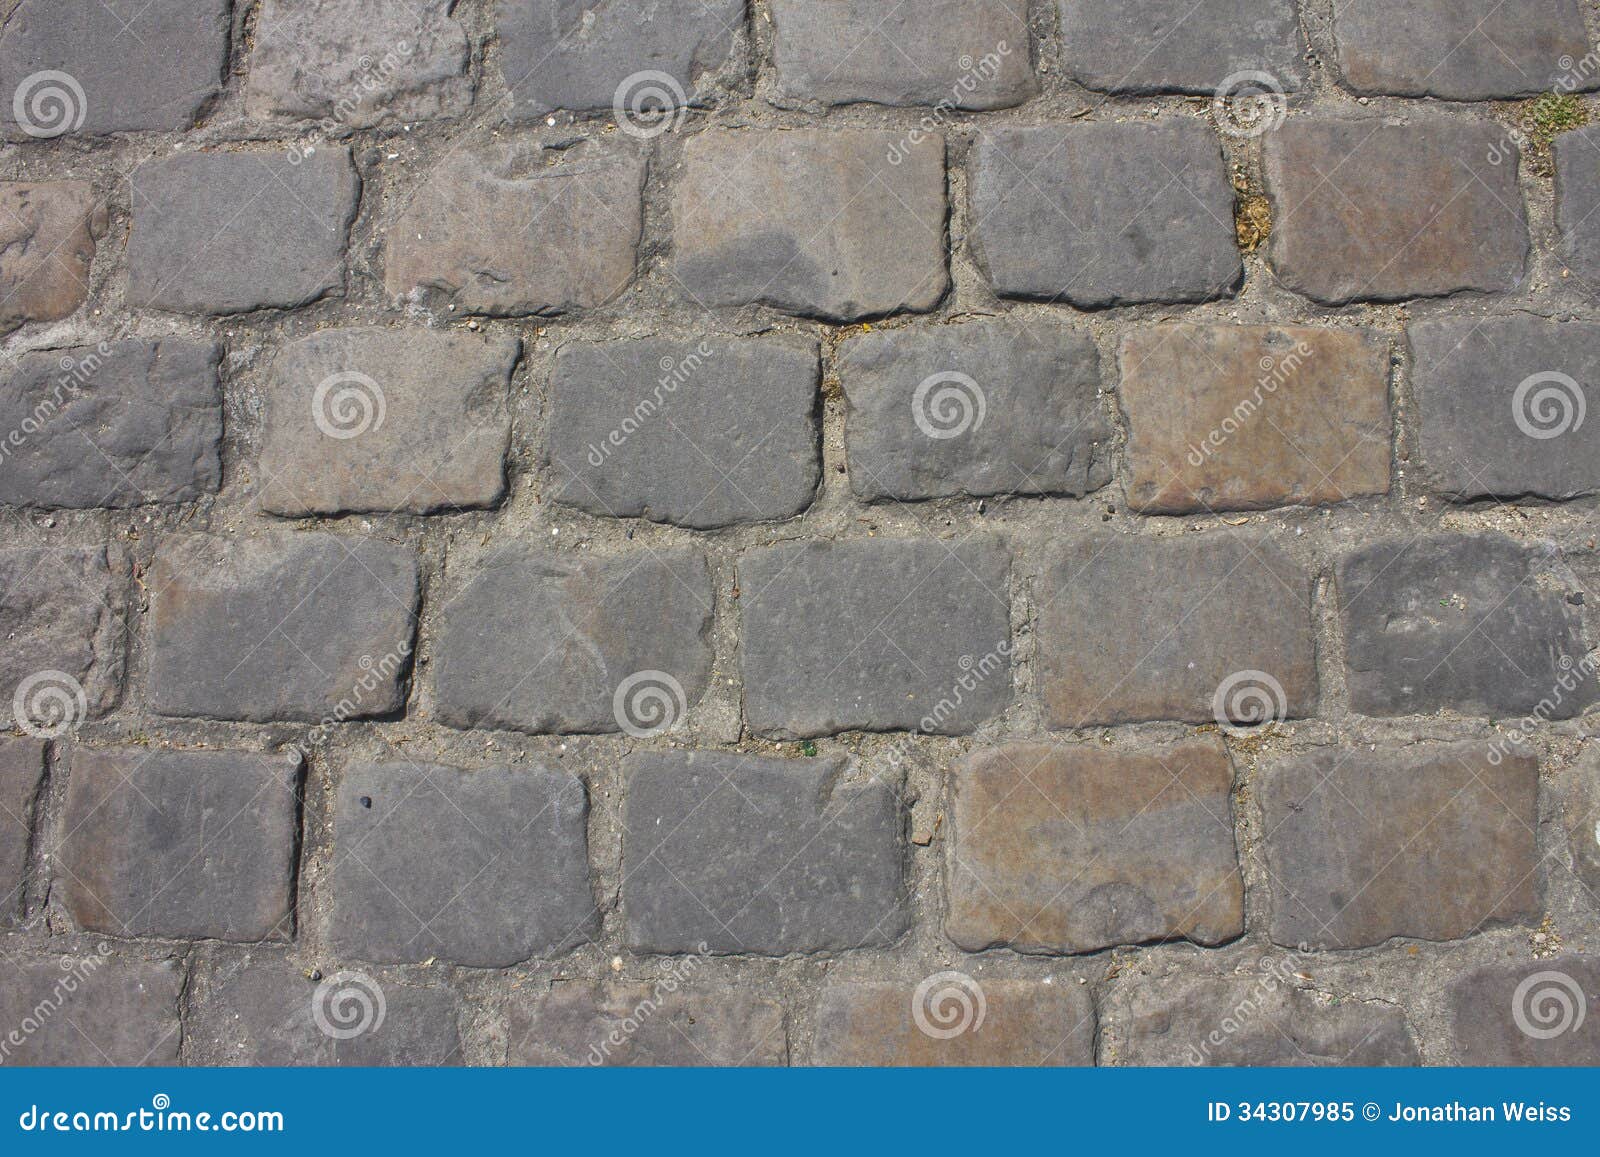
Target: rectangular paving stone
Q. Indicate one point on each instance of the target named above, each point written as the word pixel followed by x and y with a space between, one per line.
pixel 1527 1013
pixel 1251 417
pixel 358 65
pixel 370 419
pixel 21 773
pixel 1365 210
pixel 952 1020
pixel 512 234
pixel 1098 215
pixel 875 635
pixel 677 1020
pixel 968 54
pixel 1462 49
pixel 282 626
pixel 1260 1020
pixel 1196 630
pixel 1147 46
pixel 700 434
pixel 1077 848
pixel 1577 159
pixel 729 853
pixel 1502 403
pixel 838 224
pixel 134 65
pixel 1478 624
pixel 180 844
pixel 97 1010
pixel 48 231
pixel 582 57
pixel 62 616
pixel 1432 841
pixel 540 642
pixel 230 232
pixel 483 868
pixel 986 407
pixel 115 425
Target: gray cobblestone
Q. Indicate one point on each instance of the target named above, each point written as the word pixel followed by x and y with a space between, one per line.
pixel 21 772
pixel 63 620
pixel 91 1010
pixel 1577 163
pixel 1193 46
pixel 1493 1007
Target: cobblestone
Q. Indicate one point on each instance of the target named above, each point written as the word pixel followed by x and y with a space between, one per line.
pixel 121 1012
pixel 1492 1009
pixel 48 231
pixel 21 772
pixel 669 1022
pixel 62 617
pixel 1140 46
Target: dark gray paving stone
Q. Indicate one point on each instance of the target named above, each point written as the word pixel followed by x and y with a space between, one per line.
pixel 1528 1013
pixel 63 618
pixel 1193 46
pixel 21 773
pixel 90 1010
pixel 48 231
pixel 1577 157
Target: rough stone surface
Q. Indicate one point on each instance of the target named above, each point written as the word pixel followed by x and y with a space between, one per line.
pixel 970 54
pixel 47 243
pixel 989 407
pixel 1251 1020
pixel 1462 49
pixel 1477 624
pixel 839 224
pixel 1365 210
pixel 115 425
pixel 875 636
pixel 97 1010
pixel 1133 629
pixel 61 613
pixel 358 64
pixel 1492 1009
pixel 1250 417
pixel 387 419
pixel 673 1021
pixel 541 642
pixel 559 55
pixel 700 434
pixel 1583 826
pixel 180 844
pixel 135 65
pixel 231 232
pixel 1577 159
pixel 21 772
pixel 513 233
pixel 310 627
pixel 1141 46
pixel 1024 1022
pixel 1346 834
pixel 730 853
pixel 1077 848
pixel 483 868
pixel 1096 215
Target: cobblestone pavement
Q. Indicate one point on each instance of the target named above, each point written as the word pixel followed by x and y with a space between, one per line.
pixel 913 531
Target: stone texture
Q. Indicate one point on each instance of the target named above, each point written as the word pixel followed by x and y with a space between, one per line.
pixel 699 434
pixel 1493 1008
pixel 1133 629
pixel 511 233
pixel 1147 46
pixel 282 626
pixel 1023 1022
pixel 1364 210
pixel 355 65
pixel 21 772
pixel 483 868
pixel 1432 841
pixel 1477 624
pixel 729 853
pixel 540 642
pixel 559 55
pixel 230 232
pixel 136 65
pixel 676 1021
pixel 839 224
pixel 969 54
pixel 1577 159
pixel 180 844
pixel 1077 848
pixel 875 635
pixel 988 407
pixel 115 425
pixel 1462 49
pixel 1261 1020
pixel 62 613
pixel 1251 417
pixel 1583 825
pixel 89 1010
pixel 386 419
pixel 1097 215
pixel 47 243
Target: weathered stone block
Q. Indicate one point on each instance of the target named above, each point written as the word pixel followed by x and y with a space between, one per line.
pixel 62 616
pixel 1577 157
pixel 47 243
pixel 1193 46
pixel 1529 1012
pixel 21 772
pixel 90 1010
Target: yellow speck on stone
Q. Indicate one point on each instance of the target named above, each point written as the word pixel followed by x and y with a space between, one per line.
pixel 1252 216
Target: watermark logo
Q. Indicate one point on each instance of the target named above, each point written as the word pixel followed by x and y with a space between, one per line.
pixel 1249 701
pixel 948 405
pixel 348 1004
pixel 48 704
pixel 1249 104
pixel 1548 1004
pixel 648 703
pixel 948 1004
pixel 48 104
pixel 1548 405
pixel 649 103
pixel 347 404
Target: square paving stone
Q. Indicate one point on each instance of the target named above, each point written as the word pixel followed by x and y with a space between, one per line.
pixel 1147 46
pixel 62 616
pixel 1527 1013
pixel 90 1010
pixel 21 773
pixel 47 244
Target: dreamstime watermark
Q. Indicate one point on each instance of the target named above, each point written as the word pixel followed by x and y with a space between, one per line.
pixel 49 704
pixel 374 77
pixel 974 72
pixel 675 373
pixel 75 973
pixel 1549 404
pixel 974 674
pixel 677 975
pixel 1275 372
pixel 948 404
pixel 948 1004
pixel 1575 74
pixel 649 703
pixel 1249 104
pixel 1549 1004
pixel 1272 973
pixel 76 373
pixel 375 674
pixel 649 103
pixel 1249 701
pixel 49 104
pixel 347 404
pixel 1575 674
pixel 347 1005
